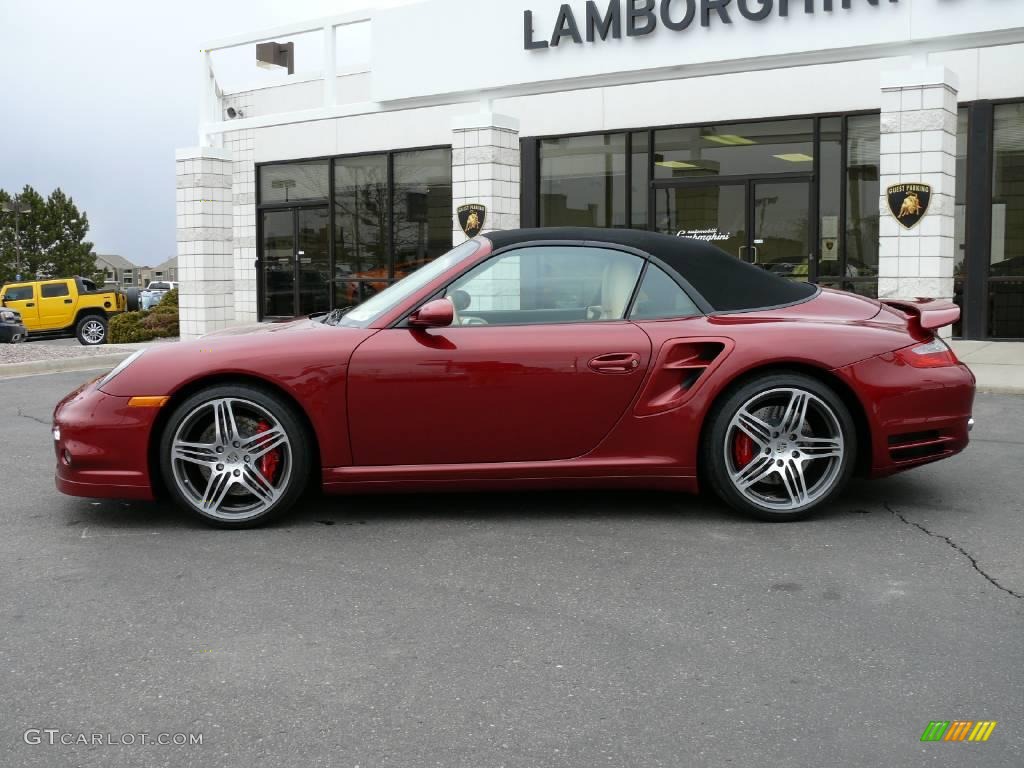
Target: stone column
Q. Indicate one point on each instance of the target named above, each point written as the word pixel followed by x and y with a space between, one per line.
pixel 243 194
pixel 485 169
pixel 205 296
pixel 918 146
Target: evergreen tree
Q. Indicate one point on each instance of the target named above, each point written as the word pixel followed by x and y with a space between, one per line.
pixel 46 240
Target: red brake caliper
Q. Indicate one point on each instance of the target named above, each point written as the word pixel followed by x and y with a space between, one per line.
pixel 743 449
pixel 267 463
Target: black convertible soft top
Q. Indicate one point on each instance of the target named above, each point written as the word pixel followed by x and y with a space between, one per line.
pixel 725 282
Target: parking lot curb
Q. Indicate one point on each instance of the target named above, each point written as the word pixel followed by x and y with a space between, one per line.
pixel 36 367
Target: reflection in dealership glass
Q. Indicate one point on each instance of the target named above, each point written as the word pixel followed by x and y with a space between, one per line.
pixel 362 315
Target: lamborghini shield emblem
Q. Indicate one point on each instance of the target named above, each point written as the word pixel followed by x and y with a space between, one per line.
pixel 471 218
pixel 909 202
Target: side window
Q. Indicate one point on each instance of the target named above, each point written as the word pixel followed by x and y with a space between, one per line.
pixel 547 284
pixel 53 290
pixel 19 293
pixel 661 297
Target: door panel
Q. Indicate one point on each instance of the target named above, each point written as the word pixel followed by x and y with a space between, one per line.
pixel 278 264
pixel 489 394
pixel 780 226
pixel 55 311
pixel 27 303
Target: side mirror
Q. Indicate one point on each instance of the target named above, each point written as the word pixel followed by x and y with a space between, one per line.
pixel 434 314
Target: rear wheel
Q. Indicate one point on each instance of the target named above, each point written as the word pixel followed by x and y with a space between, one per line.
pixel 92 330
pixel 235 455
pixel 780 446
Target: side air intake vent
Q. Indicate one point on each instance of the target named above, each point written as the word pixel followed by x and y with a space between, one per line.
pixel 681 367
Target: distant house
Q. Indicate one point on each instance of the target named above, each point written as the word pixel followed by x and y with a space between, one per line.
pixel 117 270
pixel 167 270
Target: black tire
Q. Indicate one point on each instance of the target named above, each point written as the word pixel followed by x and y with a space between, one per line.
pixel 714 449
pixel 131 296
pixel 279 409
pixel 92 330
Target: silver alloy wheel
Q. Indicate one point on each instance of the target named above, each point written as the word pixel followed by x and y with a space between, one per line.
pixel 93 331
pixel 216 456
pixel 797 449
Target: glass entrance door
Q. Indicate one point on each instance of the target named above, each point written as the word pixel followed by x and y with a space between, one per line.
pixel 296 262
pixel 780 213
pixel 278 278
pixel 713 212
pixel 764 222
pixel 313 261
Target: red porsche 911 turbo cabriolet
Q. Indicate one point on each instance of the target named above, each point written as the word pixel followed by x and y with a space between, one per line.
pixel 548 358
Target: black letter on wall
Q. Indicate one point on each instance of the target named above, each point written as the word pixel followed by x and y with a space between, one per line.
pixel 565 26
pixel 647 13
pixel 760 13
pixel 707 6
pixel 529 44
pixel 611 20
pixel 683 23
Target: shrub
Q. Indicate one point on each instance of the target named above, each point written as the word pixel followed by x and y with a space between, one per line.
pixel 127 328
pixel 169 299
pixel 161 322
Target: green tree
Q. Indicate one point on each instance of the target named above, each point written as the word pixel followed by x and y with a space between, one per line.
pixel 46 240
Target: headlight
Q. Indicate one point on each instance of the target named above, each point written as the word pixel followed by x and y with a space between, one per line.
pixel 7 316
pixel 120 367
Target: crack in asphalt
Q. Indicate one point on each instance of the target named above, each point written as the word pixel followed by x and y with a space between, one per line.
pixel 957 547
pixel 33 418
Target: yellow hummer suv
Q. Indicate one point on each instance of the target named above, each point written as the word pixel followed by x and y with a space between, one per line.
pixel 67 306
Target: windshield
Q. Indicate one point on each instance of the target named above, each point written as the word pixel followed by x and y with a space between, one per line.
pixel 394 295
pixel 159 287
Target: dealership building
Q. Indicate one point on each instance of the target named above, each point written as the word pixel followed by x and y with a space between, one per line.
pixel 875 146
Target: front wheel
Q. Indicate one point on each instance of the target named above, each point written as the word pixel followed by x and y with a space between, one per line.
pixel 91 330
pixel 780 446
pixel 235 455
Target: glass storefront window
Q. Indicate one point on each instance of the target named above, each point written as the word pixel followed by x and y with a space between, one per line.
pixel 390 213
pixel 638 180
pixel 778 146
pixel 360 224
pixel 960 216
pixel 422 208
pixel 1006 261
pixel 582 181
pixel 294 182
pixel 862 202
pixel 830 150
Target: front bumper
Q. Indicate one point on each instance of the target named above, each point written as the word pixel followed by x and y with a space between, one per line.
pixel 102 445
pixel 915 415
pixel 12 332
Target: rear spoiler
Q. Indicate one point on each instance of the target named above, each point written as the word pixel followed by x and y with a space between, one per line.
pixel 928 314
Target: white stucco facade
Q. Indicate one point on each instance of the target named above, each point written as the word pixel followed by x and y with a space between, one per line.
pixel 434 79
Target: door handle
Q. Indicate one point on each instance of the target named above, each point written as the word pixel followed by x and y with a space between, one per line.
pixel 68 301
pixel 30 303
pixel 615 362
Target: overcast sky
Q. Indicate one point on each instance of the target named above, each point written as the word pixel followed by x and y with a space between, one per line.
pixel 96 96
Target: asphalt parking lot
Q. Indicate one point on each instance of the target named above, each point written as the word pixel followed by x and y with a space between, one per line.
pixel 569 629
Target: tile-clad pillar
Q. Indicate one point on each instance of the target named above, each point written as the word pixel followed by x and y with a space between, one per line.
pixel 918 147
pixel 485 169
pixel 204 224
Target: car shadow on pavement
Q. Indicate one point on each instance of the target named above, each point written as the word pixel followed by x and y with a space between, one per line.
pixel 108 516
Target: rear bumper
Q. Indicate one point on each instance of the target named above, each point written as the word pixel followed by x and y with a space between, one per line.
pixel 102 446
pixel 915 415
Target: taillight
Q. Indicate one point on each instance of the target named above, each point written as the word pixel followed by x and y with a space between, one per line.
pixel 935 354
